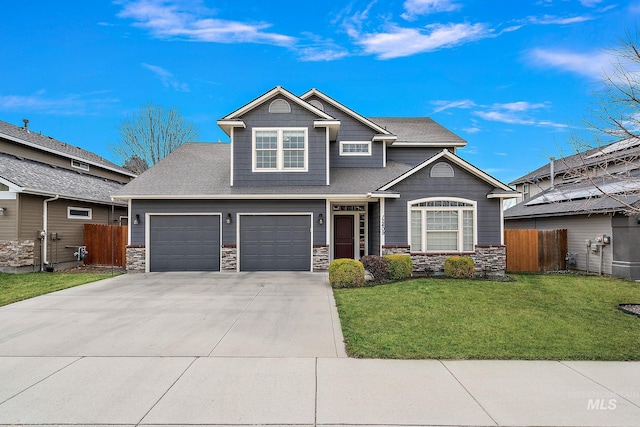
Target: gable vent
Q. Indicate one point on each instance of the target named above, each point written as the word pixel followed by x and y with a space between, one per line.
pixel 317 104
pixel 279 106
pixel 442 170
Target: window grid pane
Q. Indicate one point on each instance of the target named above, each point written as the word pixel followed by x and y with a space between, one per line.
pixel 467 231
pixel 355 148
pixel 266 159
pixel 442 240
pixel 293 149
pixel 416 231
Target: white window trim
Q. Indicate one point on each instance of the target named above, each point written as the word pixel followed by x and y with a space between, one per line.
pixel 343 153
pixel 79 165
pixel 88 210
pixel 280 150
pixel 474 207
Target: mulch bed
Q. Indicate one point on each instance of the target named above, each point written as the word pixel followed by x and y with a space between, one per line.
pixel 95 269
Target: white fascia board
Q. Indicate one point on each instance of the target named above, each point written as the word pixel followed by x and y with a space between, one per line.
pixel 384 138
pixel 12 187
pixel 278 90
pixel 344 109
pixel 333 197
pixel 502 196
pixel 227 126
pixel 384 195
pixel 332 126
pixel 427 144
pixel 456 160
pixel 63 154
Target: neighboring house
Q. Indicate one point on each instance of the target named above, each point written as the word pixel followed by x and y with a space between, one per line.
pixel 306 180
pixel 48 191
pixel 602 238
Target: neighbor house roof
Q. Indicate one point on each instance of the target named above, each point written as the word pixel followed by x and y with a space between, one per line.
pixel 629 147
pixel 418 131
pixel 41 142
pixel 581 198
pixel 202 170
pixel 29 176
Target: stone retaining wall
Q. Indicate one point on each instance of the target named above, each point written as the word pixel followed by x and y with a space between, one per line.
pixel 320 257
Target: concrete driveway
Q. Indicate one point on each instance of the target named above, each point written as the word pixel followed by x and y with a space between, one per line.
pixel 179 314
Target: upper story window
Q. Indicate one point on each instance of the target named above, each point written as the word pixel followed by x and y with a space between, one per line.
pixel 79 165
pixel 442 225
pixel 279 106
pixel 78 213
pixel 280 150
pixel 355 148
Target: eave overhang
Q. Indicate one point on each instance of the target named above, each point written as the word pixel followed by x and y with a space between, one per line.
pixel 227 125
pixel 332 125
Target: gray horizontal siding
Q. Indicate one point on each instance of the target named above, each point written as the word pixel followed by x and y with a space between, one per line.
pixel 412 155
pixel 463 185
pixel 243 155
pixel 225 207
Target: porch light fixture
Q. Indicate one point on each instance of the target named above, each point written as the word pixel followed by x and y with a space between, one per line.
pixel 3 211
pixel 137 220
pixel 320 219
pixel 228 220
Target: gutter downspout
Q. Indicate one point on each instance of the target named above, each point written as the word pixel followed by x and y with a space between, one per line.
pixel 552 166
pixel 45 220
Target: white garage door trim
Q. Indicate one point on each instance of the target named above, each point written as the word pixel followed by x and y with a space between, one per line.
pixel 147 231
pixel 240 214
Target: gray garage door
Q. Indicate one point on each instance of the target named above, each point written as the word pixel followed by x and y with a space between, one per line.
pixel 275 243
pixel 184 243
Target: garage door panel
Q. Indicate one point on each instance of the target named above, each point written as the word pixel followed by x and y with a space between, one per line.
pixel 275 243
pixel 184 243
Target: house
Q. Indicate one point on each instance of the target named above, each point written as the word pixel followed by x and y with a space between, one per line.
pixel 48 191
pixel 568 193
pixel 306 180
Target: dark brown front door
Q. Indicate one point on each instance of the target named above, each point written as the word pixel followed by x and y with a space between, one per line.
pixel 343 238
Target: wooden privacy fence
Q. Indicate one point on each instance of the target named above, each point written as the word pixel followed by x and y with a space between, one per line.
pixel 106 244
pixel 536 250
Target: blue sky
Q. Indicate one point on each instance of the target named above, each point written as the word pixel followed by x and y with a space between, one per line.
pixel 512 77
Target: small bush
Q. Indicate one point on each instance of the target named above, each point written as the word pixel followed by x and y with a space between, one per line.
pixel 459 267
pixel 377 266
pixel 400 266
pixel 346 273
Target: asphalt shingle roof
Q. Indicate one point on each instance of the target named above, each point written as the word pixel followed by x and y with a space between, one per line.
pixel 63 148
pixel 33 176
pixel 418 130
pixel 203 169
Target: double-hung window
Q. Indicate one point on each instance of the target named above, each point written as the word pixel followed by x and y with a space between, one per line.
pixel 442 225
pixel 279 149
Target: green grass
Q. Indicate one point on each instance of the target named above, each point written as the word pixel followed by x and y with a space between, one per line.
pixel 547 317
pixel 18 287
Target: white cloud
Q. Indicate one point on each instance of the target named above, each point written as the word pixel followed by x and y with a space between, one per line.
pixel 316 48
pixel 518 113
pixel 68 104
pixel 592 64
pixel 167 78
pixel 590 3
pixel 399 42
pixel 425 7
pixel 558 20
pixel 167 19
pixel 442 105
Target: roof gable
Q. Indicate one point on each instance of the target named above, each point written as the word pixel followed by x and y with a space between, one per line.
pixel 446 154
pixel 278 90
pixel 346 110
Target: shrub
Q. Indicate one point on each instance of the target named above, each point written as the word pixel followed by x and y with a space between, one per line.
pixel 377 266
pixel 346 273
pixel 400 266
pixel 459 267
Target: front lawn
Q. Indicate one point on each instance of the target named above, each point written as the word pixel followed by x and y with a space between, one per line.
pixel 17 287
pixel 550 317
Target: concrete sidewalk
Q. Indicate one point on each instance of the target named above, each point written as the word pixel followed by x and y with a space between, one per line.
pixel 315 391
pixel 256 349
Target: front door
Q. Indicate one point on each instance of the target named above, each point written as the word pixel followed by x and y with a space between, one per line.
pixel 343 236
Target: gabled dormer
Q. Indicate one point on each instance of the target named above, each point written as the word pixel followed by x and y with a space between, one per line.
pixel 360 142
pixel 279 139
